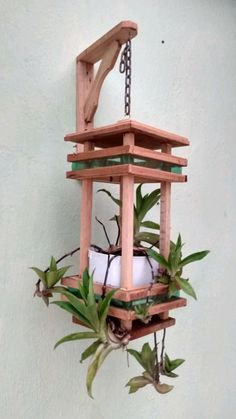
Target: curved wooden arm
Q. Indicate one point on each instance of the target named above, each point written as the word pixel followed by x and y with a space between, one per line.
pixel 107 64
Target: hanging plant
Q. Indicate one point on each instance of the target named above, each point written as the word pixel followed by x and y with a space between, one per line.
pixel 173 268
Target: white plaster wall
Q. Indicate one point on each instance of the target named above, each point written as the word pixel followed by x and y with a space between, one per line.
pixel 187 85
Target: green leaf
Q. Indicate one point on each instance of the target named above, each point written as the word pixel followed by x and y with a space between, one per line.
pixel 91 296
pixel 148 237
pixel 136 383
pixel 86 279
pixel 158 258
pixel 53 264
pixel 137 355
pixel 186 287
pixel 78 305
pixel 65 305
pixel 61 272
pixel 148 358
pixel 90 350
pixel 117 201
pixel 77 336
pixel 194 257
pixel 139 198
pixel 41 275
pixel 150 224
pixel 172 288
pixel 149 201
pixel 99 356
pixel 103 309
pixel 175 256
pixel 92 316
pixel 170 374
pixel 164 279
pixel 51 278
pixel 175 363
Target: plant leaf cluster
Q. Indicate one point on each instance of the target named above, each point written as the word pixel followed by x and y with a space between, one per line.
pixel 142 312
pixel 152 370
pixel 49 278
pixel 170 365
pixel 94 316
pixel 173 266
pixel 143 204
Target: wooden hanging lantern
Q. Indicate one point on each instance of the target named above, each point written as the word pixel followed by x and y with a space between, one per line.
pixel 126 152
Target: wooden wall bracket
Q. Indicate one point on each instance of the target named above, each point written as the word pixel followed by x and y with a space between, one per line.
pixel 106 49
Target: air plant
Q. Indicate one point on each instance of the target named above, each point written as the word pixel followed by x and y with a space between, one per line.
pixel 173 268
pixel 142 312
pixel 152 370
pixel 94 316
pixel 49 278
pixel 143 204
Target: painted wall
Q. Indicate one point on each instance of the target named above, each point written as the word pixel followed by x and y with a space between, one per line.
pixel 186 84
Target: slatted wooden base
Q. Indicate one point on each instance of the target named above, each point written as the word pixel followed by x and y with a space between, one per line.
pixel 127 316
pixel 113 174
pixel 139 329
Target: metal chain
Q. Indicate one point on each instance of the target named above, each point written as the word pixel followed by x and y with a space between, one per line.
pixel 125 67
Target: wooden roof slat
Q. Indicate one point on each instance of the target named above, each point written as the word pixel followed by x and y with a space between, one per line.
pixel 111 135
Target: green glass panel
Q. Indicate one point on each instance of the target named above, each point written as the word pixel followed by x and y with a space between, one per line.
pixel 126 159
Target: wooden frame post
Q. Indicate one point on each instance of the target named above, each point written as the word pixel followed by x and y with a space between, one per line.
pixel 165 207
pixel 127 217
pixel 84 79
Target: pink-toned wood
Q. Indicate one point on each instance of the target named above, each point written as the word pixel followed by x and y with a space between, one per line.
pixel 84 79
pixel 122 32
pixel 127 149
pixel 108 61
pixel 127 231
pixel 141 173
pixel 86 216
pixel 139 329
pixel 161 309
pixel 112 135
pixel 128 138
pixel 165 206
pixel 121 294
pixel 164 315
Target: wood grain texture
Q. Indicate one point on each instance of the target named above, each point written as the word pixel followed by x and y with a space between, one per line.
pixel 108 61
pixel 141 173
pixel 165 204
pixel 121 313
pixel 139 329
pixel 146 136
pixel 127 216
pixel 121 33
pixel 84 79
pixel 127 149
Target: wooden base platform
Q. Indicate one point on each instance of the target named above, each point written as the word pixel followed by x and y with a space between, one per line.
pixel 140 329
pixel 113 174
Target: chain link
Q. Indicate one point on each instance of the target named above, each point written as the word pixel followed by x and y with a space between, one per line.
pixel 125 67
